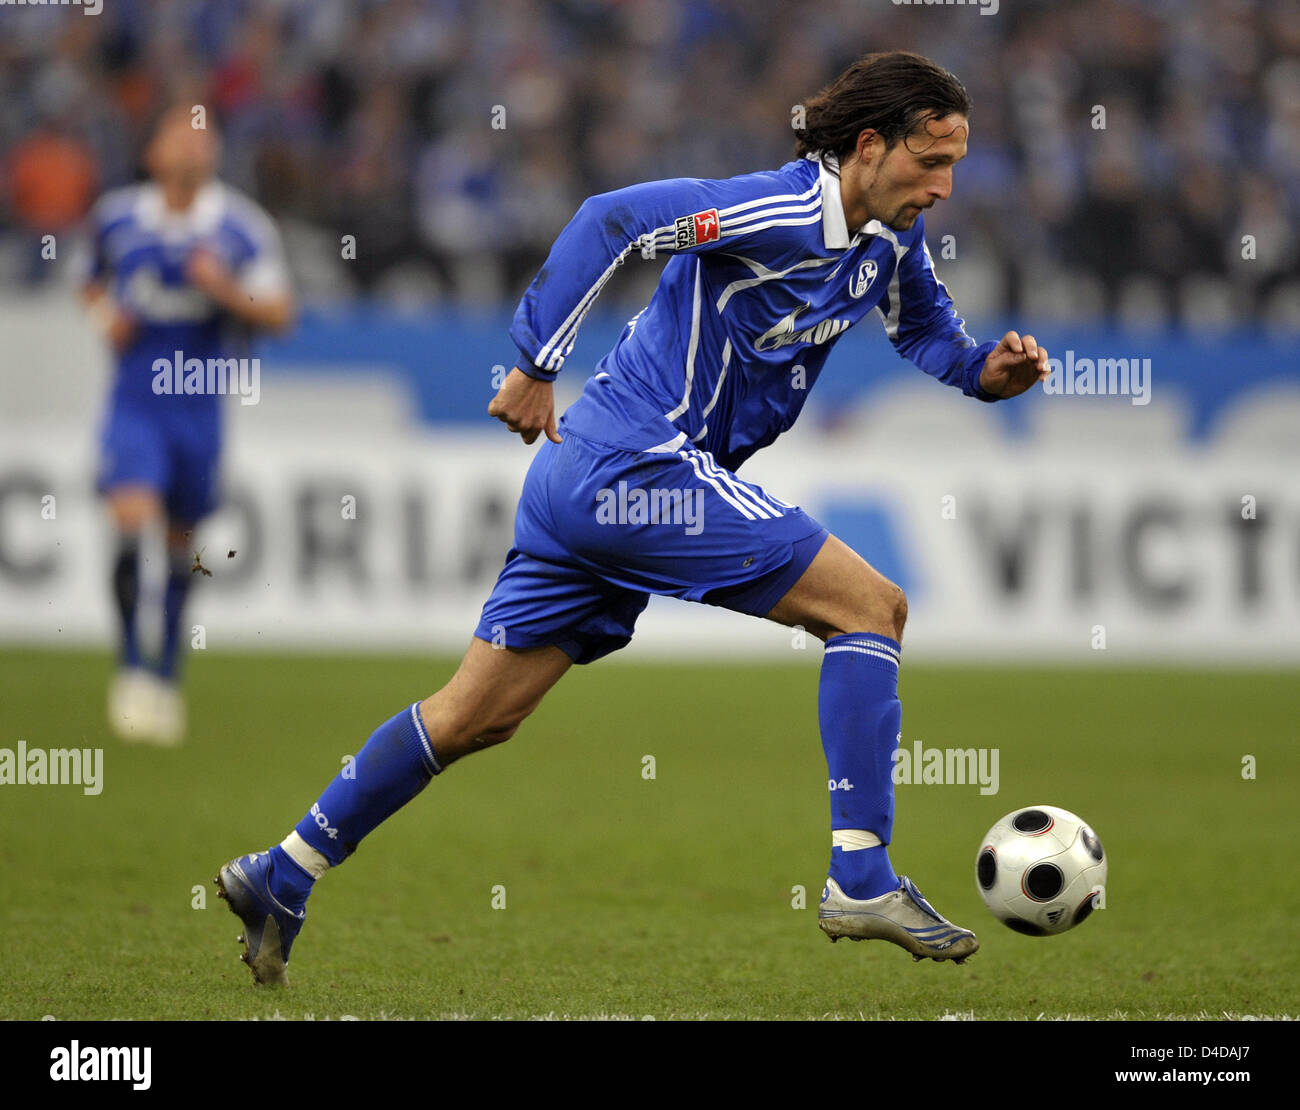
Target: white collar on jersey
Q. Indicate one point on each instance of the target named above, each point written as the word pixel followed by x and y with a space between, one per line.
pixel 201 218
pixel 835 231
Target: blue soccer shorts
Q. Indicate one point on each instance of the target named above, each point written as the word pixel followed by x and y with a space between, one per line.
pixel 599 529
pixel 179 459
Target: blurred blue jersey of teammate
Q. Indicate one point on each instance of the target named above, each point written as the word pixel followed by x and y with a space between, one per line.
pixel 182 268
pixel 157 437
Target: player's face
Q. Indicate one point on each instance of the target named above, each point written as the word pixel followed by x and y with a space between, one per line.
pixel 916 172
pixel 182 154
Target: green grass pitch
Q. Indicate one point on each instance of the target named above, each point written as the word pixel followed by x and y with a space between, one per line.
pixel 626 896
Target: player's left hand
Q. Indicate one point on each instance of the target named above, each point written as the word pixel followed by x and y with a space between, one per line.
pixel 1014 365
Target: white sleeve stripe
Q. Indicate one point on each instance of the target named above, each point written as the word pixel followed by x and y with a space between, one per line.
pixel 667 241
pixel 549 352
pixel 775 210
pixel 666 238
pixel 557 348
pixel 546 354
pixel 776 199
pixel 961 324
pixel 814 218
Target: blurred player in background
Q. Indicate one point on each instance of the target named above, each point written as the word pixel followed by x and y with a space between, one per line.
pixel 768 269
pixel 182 267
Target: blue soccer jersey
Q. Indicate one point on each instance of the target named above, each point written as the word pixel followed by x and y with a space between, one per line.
pixel 641 497
pixel 764 278
pixel 164 439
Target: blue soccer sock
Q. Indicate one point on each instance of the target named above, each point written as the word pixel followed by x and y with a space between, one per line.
pixel 126 592
pixel 396 763
pixel 179 574
pixel 861 717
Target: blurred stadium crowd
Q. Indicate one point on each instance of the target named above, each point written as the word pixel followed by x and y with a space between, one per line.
pixel 376 120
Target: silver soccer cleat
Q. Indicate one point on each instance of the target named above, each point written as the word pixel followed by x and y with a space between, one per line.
pixel 902 916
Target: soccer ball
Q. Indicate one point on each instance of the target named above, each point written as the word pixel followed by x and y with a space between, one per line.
pixel 1041 870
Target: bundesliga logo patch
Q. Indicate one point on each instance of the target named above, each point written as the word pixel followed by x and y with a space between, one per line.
pixel 699 228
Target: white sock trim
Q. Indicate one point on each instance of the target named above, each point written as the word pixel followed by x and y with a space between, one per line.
pixel 852 840
pixel 304 855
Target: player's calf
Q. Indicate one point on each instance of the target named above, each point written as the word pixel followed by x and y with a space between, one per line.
pixel 491 694
pixel 484 703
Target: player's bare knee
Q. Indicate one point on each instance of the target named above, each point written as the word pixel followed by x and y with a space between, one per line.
pixel 881 608
pixel 900 611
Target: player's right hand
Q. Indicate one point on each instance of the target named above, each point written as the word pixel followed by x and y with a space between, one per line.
pixel 115 325
pixel 526 406
pixel 120 330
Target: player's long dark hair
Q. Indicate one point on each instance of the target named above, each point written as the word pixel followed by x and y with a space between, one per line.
pixel 892 93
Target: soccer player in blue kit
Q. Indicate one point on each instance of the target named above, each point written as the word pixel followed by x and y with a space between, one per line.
pixel 181 268
pixel 767 269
